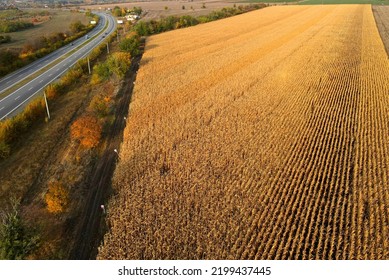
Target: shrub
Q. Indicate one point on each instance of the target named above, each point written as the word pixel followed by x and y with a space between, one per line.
pixel 77 27
pixel 6 131
pixel 137 10
pixel 101 105
pixel 13 26
pixel 11 129
pixel 101 72
pixel 20 123
pixel 119 63
pixel 71 76
pixel 5 150
pixel 52 90
pixel 130 45
pixel 34 110
pixel 87 130
pixel 185 21
pixel 5 39
pixel 143 28
pixel 117 11
pixel 57 198
pixel 16 240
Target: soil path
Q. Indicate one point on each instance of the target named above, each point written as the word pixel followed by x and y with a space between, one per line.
pixel 381 14
pixel 89 231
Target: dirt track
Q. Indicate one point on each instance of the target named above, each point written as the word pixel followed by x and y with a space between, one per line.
pixel 381 14
pixel 90 228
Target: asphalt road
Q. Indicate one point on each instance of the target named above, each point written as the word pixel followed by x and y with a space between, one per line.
pixel 14 102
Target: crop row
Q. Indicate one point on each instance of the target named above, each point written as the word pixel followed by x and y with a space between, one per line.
pixel 262 136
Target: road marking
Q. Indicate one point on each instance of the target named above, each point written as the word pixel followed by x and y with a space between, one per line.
pixel 50 75
pixel 2 108
pixel 16 98
pixel 30 88
pixel 40 81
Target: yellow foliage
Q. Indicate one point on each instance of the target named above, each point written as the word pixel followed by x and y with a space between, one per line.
pixel 87 130
pixel 52 91
pixel 95 79
pixel 57 198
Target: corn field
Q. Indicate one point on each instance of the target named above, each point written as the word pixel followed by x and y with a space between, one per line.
pixel 261 136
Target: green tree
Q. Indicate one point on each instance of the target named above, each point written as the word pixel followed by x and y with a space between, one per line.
pixel 117 12
pixel 137 10
pixel 76 27
pixel 101 72
pixel 130 45
pixel 119 63
pixel 143 28
pixel 16 240
pixel 101 105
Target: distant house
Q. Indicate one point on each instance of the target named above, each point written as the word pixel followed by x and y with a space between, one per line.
pixel 132 17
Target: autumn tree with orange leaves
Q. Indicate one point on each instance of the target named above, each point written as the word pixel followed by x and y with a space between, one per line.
pixel 87 130
pixel 57 198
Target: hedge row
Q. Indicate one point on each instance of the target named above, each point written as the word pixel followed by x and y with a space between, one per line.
pixel 145 28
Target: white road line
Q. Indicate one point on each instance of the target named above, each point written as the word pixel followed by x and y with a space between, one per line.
pixel 2 108
pixel 59 71
pixel 16 98
pixel 40 81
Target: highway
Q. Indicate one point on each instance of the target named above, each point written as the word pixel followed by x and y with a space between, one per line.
pixel 14 102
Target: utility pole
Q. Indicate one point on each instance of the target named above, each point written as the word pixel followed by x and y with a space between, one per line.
pixel 47 105
pixel 107 48
pixel 89 65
